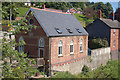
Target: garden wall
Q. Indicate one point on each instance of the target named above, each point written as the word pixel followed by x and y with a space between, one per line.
pixel 98 57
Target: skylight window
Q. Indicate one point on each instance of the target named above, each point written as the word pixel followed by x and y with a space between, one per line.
pixel 58 30
pixel 79 30
pixel 69 30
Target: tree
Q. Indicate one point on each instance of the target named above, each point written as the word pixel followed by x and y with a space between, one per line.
pixel 105 8
pixel 6 10
pixel 98 43
pixel 117 14
pixel 16 63
pixel 58 5
pixel 38 3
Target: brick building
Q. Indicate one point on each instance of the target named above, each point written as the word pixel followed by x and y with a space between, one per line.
pixel 73 10
pixel 106 28
pixel 58 40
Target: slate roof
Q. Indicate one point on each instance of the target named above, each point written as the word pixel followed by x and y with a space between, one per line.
pixel 111 23
pixel 51 20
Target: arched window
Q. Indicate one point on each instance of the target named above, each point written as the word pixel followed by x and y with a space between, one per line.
pixel 41 42
pixel 81 45
pixel 60 48
pixel 21 47
pixel 72 47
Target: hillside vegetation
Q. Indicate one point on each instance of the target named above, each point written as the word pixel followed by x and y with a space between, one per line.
pixel 108 71
pixel 83 20
pixel 22 11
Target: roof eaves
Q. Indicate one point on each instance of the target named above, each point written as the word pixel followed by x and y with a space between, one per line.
pixel 67 35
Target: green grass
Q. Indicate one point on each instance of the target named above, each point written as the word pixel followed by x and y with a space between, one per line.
pixel 83 20
pixel 110 70
pixel 22 11
pixel 80 17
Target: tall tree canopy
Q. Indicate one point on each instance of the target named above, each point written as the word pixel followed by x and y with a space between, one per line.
pixel 105 8
pixel 58 5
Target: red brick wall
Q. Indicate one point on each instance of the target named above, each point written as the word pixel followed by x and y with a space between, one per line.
pixel 66 48
pixel 114 38
pixel 32 38
pixel 119 40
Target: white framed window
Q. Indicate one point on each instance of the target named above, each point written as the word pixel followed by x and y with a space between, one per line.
pixel 114 32
pixel 21 47
pixel 114 44
pixel 60 48
pixel 72 47
pixel 41 42
pixel 81 45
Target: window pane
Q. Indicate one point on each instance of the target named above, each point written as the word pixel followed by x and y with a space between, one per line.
pixel 80 47
pixel 71 48
pixel 59 50
pixel 41 53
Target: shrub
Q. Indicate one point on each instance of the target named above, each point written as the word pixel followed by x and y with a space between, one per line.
pixel 97 43
pixel 63 75
pixel 90 59
pixel 85 69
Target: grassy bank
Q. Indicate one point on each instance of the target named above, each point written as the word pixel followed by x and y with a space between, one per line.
pixel 83 20
pixel 22 11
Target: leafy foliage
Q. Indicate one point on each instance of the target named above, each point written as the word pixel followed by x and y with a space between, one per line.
pixel 108 71
pixel 105 8
pixel 17 9
pixel 63 75
pixel 6 10
pixel 97 43
pixel 58 5
pixel 85 69
pixel 16 63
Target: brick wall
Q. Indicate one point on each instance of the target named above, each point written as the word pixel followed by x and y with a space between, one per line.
pixel 119 40
pixel 114 38
pixel 32 38
pixel 66 56
pixel 114 50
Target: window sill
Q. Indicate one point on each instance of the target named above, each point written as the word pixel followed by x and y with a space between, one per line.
pixel 81 51
pixel 71 53
pixel 60 55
